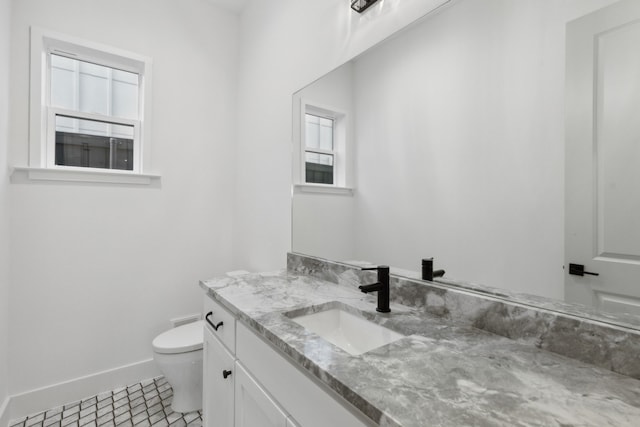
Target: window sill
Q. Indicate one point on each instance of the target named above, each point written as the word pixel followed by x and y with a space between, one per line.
pixel 78 175
pixel 322 188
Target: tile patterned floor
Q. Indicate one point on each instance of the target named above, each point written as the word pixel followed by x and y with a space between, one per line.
pixel 141 405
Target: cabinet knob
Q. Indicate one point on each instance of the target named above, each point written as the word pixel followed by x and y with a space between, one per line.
pixel 226 373
pixel 215 327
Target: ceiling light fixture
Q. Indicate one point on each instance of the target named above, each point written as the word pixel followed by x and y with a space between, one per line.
pixel 361 5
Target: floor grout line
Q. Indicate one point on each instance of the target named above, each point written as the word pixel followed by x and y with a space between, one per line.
pixel 155 393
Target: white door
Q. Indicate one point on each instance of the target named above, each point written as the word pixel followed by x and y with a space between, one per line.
pixel 254 408
pixel 603 159
pixel 218 383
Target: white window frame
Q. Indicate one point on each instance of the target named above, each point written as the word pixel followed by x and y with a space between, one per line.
pixel 42 114
pixel 339 152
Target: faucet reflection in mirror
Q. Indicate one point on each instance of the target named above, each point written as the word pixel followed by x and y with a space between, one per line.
pixel 361 5
pixel 427 270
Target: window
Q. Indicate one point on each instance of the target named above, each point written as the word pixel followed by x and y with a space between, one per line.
pixel 319 152
pixel 323 146
pixel 93 114
pixel 87 106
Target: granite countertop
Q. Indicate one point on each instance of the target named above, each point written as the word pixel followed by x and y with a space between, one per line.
pixel 440 374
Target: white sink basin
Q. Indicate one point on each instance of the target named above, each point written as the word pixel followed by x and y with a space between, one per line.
pixel 350 332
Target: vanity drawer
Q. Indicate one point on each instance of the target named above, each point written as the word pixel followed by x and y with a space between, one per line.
pixel 220 322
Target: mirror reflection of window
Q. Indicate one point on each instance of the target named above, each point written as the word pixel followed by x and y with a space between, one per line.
pixel 319 149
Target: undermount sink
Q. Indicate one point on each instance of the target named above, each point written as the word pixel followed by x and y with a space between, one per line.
pixel 350 332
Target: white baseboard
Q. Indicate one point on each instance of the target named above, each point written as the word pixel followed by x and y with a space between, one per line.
pixel 34 401
pixel 4 412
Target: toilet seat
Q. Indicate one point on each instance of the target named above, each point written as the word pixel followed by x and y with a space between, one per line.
pixel 182 339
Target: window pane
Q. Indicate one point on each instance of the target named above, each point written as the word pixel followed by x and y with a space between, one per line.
pixel 312 131
pixel 125 77
pixel 92 88
pixel 312 119
pixel 87 143
pixel 63 62
pixel 93 94
pixel 318 168
pixel 326 134
pixel 63 73
pixel 319 132
pixel 124 99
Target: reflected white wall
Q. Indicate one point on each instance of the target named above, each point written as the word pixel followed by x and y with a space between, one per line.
pixel 5 12
pixel 323 223
pixel 460 131
pixel 460 146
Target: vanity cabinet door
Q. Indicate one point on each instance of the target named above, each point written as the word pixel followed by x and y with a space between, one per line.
pixel 218 392
pixel 254 407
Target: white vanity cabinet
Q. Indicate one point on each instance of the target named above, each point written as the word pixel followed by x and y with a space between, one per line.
pixel 219 365
pixel 247 383
pixel 218 388
pixel 254 407
pixel 231 396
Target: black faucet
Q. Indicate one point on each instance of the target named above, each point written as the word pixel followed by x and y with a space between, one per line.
pixel 381 286
pixel 427 270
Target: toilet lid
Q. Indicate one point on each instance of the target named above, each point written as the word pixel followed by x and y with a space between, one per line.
pixel 182 339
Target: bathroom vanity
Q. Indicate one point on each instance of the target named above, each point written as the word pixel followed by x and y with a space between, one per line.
pixel 462 357
pixel 247 382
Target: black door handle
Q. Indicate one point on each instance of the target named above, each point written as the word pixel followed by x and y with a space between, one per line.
pixel 578 270
pixel 226 373
pixel 215 327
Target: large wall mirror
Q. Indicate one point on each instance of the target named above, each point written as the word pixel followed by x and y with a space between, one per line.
pixel 448 141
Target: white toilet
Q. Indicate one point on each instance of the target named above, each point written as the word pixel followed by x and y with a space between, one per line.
pixel 178 353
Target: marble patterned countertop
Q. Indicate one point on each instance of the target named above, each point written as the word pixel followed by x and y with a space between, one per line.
pixel 440 374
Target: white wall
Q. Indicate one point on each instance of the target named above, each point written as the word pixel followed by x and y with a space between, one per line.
pixel 285 45
pixel 5 13
pixel 98 270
